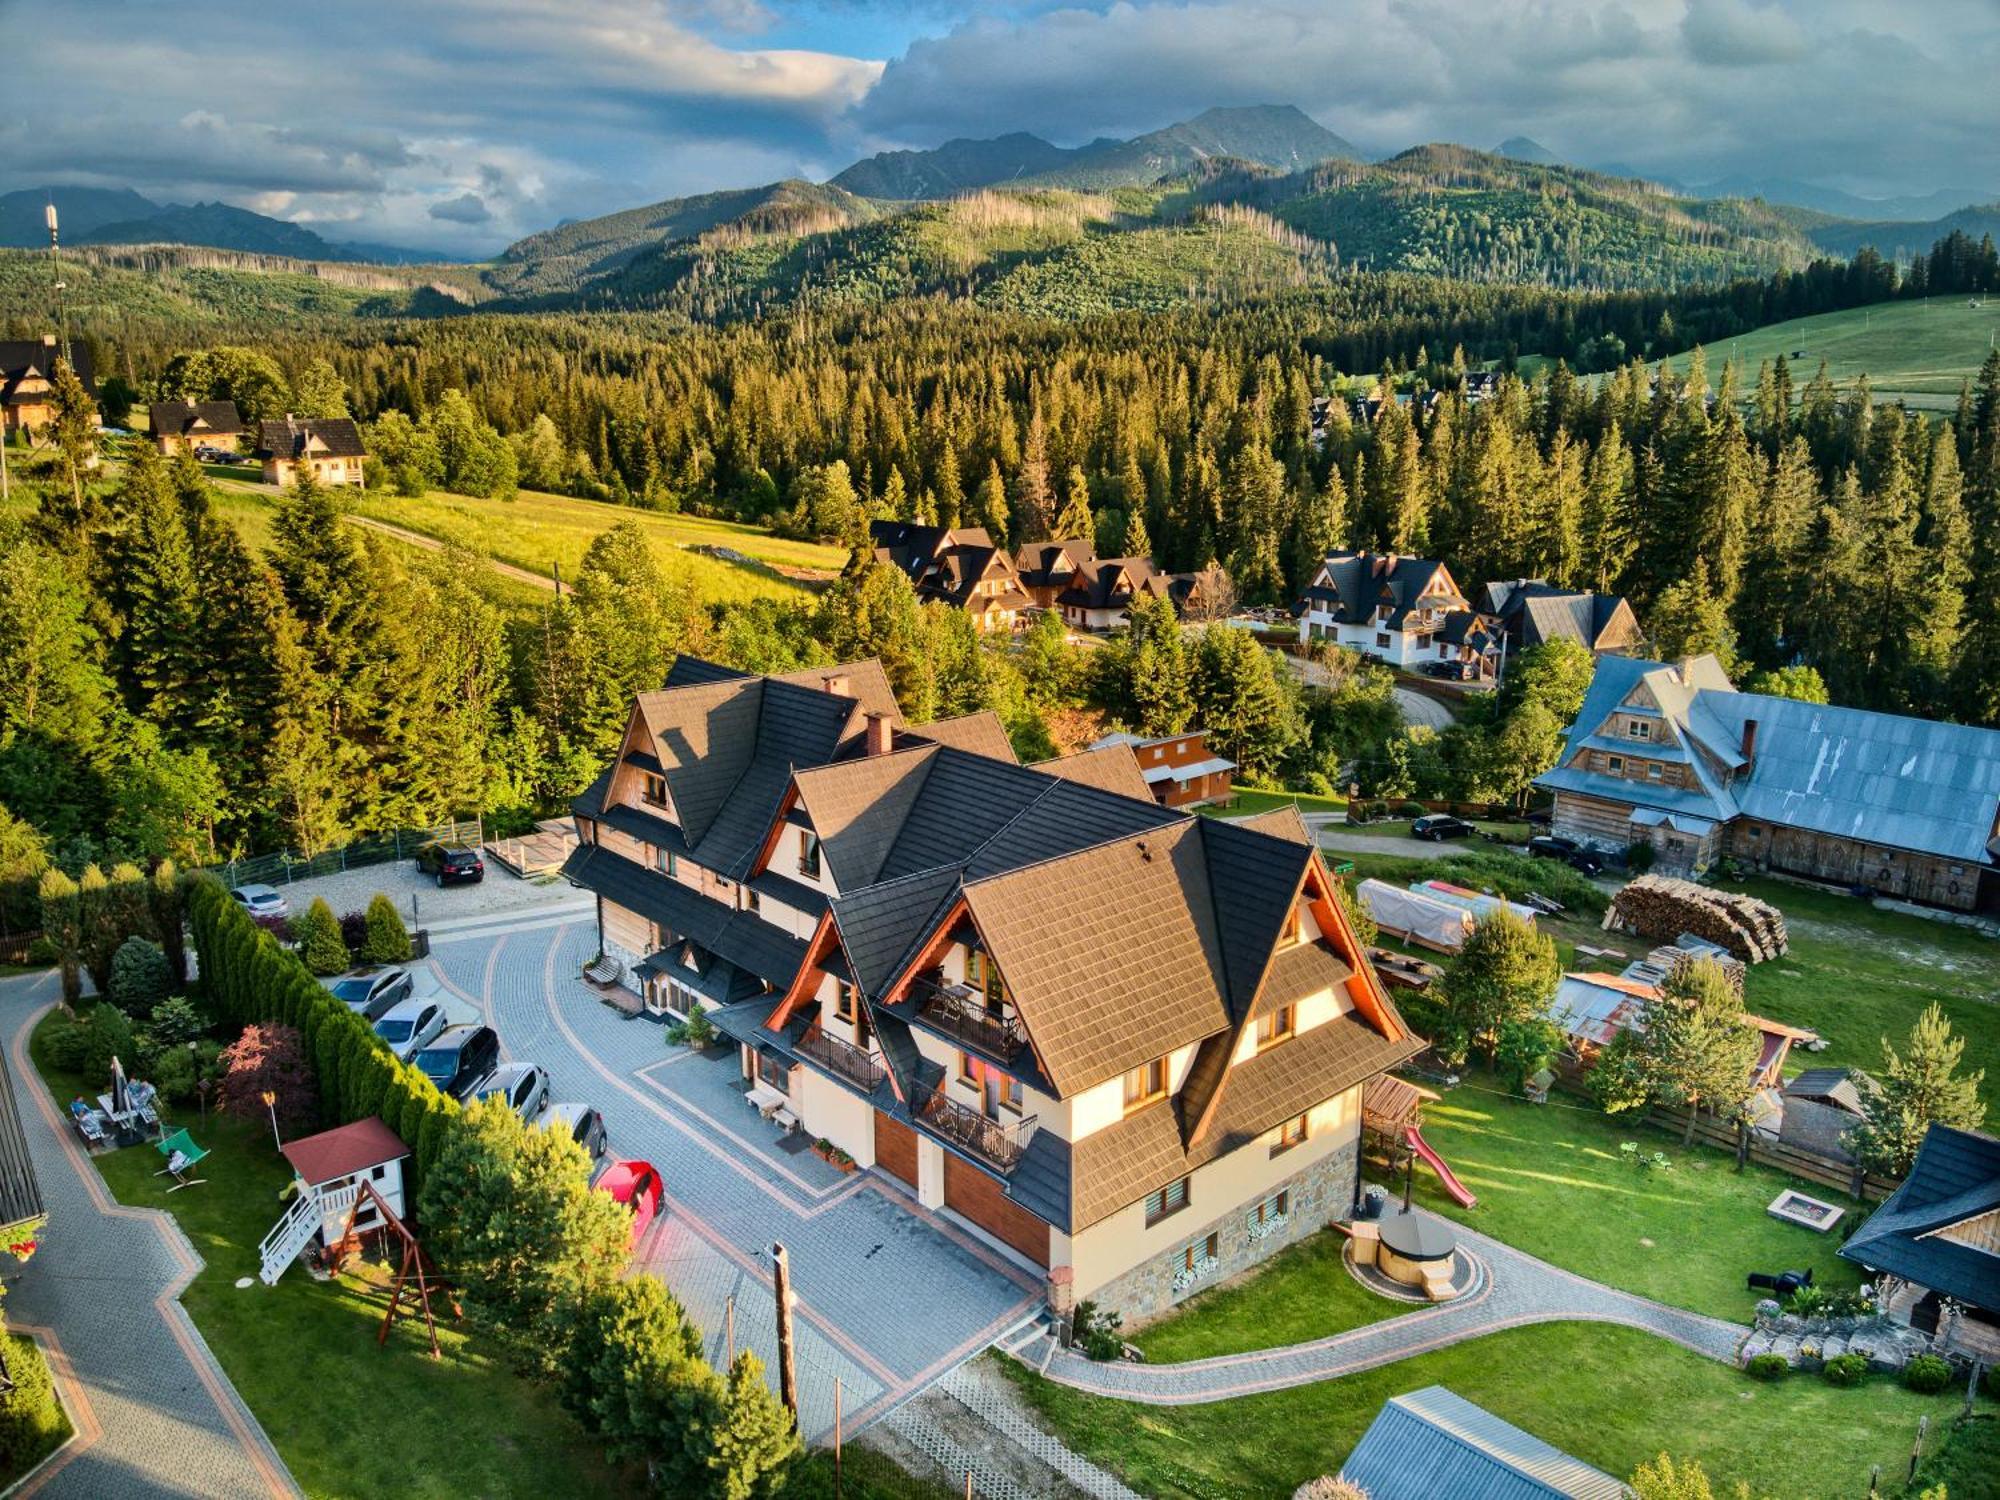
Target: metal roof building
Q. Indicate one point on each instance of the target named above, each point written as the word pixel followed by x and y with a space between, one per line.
pixel 1431 1444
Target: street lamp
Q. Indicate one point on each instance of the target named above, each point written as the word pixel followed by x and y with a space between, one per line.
pixel 271 1104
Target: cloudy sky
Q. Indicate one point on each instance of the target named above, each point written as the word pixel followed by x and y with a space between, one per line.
pixel 457 125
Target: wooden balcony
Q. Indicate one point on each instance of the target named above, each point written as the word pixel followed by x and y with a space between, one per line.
pixel 963 1014
pixel 1000 1142
pixel 843 1059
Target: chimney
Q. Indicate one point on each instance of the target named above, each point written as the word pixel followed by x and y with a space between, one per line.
pixel 48 341
pixel 1749 741
pixel 880 735
pixel 836 684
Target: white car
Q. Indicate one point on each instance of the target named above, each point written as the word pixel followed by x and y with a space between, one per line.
pixel 524 1086
pixel 261 900
pixel 410 1026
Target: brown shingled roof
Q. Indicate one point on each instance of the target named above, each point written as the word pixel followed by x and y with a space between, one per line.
pixel 1075 959
pixel 858 806
pixel 1109 768
pixel 981 734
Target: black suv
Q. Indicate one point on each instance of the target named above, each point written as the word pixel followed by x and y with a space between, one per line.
pixel 459 1057
pixel 1441 826
pixel 1569 851
pixel 451 866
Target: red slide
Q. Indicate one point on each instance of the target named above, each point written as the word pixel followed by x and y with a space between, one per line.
pixel 1445 1174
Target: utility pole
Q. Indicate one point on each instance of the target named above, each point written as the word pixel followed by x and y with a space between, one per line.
pixel 781 1283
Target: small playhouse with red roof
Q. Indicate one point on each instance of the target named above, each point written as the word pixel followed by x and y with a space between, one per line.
pixel 331 1168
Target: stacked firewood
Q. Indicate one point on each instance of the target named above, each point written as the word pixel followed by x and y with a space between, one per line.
pixel 1670 960
pixel 1662 908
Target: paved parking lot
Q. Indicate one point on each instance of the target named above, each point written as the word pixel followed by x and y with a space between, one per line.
pixel 422 901
pixel 890 1297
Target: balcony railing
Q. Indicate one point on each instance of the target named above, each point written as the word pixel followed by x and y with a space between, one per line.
pixel 842 1058
pixel 999 1141
pixel 962 1012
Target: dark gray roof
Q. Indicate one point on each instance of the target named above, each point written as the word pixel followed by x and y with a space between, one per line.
pixel 1434 1445
pixel 19 356
pixel 20 1193
pixel 194 418
pixel 741 937
pixel 1841 1086
pixel 1361 582
pixel 690 670
pixel 1955 1177
pixel 292 437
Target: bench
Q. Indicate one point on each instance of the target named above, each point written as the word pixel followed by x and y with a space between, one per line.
pixel 765 1099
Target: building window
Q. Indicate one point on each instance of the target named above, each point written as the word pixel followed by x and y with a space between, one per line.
pixel 1292 1133
pixel 1271 1210
pixel 1615 764
pixel 1145 1084
pixel 983 975
pixel 1196 1260
pixel 752 902
pixel 1381 638
pixel 775 1071
pixel 1641 730
pixel 997 1090
pixel 843 1000
pixel 654 790
pixel 809 853
pixel 1293 932
pixel 665 861
pixel 1170 1199
pixel 1277 1026
pixel 1654 770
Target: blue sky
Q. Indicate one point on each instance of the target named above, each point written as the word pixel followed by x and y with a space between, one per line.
pixel 458 125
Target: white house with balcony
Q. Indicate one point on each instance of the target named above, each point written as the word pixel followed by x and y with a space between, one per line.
pixel 1404 611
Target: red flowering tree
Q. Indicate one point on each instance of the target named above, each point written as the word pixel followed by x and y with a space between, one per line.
pixel 269 1059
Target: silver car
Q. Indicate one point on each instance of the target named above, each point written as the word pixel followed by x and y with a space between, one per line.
pixel 524 1086
pixel 410 1026
pixel 261 900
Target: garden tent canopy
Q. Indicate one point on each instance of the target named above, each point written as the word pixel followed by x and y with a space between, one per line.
pixel 1416 916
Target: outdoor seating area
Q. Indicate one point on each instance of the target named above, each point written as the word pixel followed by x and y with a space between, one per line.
pixel 124 1115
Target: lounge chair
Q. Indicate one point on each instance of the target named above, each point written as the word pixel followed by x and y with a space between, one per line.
pixel 182 1155
pixel 90 1125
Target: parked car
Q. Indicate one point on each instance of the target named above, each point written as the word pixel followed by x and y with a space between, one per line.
pixel 261 900
pixel 524 1086
pixel 451 866
pixel 372 991
pixel 637 1185
pixel 459 1057
pixel 1568 850
pixel 586 1124
pixel 1441 826
pixel 409 1026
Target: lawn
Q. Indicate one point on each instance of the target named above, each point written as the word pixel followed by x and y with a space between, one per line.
pixel 1303 1293
pixel 1612 1396
pixel 303 1353
pixel 1248 800
pixel 1856 974
pixel 1550 1180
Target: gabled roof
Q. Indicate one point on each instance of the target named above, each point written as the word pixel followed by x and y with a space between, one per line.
pixel 1956 1177
pixel 1843 1088
pixel 344 1150
pixel 1434 1445
pixel 315 437
pixel 1535 613
pixel 1050 564
pixel 22 360
pixel 193 419
pixel 1110 768
pixel 944 564
pixel 1359 583
pixel 980 733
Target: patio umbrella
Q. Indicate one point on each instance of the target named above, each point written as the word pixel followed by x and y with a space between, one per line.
pixel 120 1099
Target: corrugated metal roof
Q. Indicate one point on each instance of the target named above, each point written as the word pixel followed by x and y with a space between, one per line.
pixel 1434 1445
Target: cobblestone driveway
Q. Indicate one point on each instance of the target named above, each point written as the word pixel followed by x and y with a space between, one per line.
pixel 890 1297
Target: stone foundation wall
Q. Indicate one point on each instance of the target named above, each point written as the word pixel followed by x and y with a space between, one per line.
pixel 1320 1194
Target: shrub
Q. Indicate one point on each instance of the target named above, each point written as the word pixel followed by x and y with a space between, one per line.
pixel 268 1059
pixel 42 952
pixel 696 1032
pixel 387 940
pixel 1926 1374
pixel 1639 856
pixel 317 934
pixel 1845 1369
pixel 176 1022
pixel 354 931
pixel 1409 809
pixel 31 1420
pixel 1850 1302
pixel 1807 1301
pixel 87 1044
pixel 1096 1331
pixel 140 977
pixel 1768 1367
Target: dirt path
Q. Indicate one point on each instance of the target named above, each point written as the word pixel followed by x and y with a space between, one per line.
pixel 431 544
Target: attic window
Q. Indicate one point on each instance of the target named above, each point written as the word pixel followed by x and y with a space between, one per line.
pixel 1146 1083
pixel 654 790
pixel 1640 729
pixel 665 861
pixel 809 853
pixel 1614 764
pixel 1280 1025
pixel 1293 932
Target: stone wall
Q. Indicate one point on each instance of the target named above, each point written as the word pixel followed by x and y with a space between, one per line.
pixel 1320 1194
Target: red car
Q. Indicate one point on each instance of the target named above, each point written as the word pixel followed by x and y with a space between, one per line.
pixel 636 1185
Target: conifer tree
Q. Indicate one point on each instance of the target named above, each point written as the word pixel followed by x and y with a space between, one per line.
pixel 989 505
pixel 1075 523
pixel 1919 1085
pixel 1034 496
pixel 151 579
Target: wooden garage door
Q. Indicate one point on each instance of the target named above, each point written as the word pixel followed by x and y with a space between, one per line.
pixel 973 1195
pixel 895 1148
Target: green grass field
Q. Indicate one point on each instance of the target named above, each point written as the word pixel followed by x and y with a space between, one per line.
pixel 1914 351
pixel 1612 1396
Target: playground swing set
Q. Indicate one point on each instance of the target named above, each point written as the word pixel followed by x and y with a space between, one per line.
pixel 416 1278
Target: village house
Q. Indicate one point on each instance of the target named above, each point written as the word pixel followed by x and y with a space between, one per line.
pixel 183 426
pixel 1675 757
pixel 1592 1009
pixel 1045 568
pixel 1101 591
pixel 1179 769
pixel 1533 613
pixel 1406 611
pixel 1123 1044
pixel 960 568
pixel 27 376
pixel 1433 1444
pixel 329 446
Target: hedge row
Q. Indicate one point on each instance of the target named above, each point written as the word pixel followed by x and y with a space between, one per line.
pixel 250 979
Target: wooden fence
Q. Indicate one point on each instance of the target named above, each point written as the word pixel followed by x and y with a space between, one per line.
pixel 1827 1171
pixel 14 946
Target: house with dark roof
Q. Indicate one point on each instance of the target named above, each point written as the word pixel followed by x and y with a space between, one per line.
pixel 21 1207
pixel 1122 1044
pixel 330 447
pixel 1433 1444
pixel 1672 755
pixel 182 426
pixel 27 381
pixel 960 567
pixel 1937 1239
pixel 1821 1105
pixel 1045 568
pixel 1406 611
pixel 1179 769
pixel 1101 591
pixel 1533 613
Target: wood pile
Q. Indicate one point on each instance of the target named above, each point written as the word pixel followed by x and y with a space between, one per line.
pixel 1662 908
pixel 1663 963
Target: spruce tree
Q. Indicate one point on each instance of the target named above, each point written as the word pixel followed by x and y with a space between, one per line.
pixel 1919 1085
pixel 1034 495
pixel 1075 523
pixel 989 506
pixel 151 578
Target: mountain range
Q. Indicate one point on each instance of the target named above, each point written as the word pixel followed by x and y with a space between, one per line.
pixel 120 216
